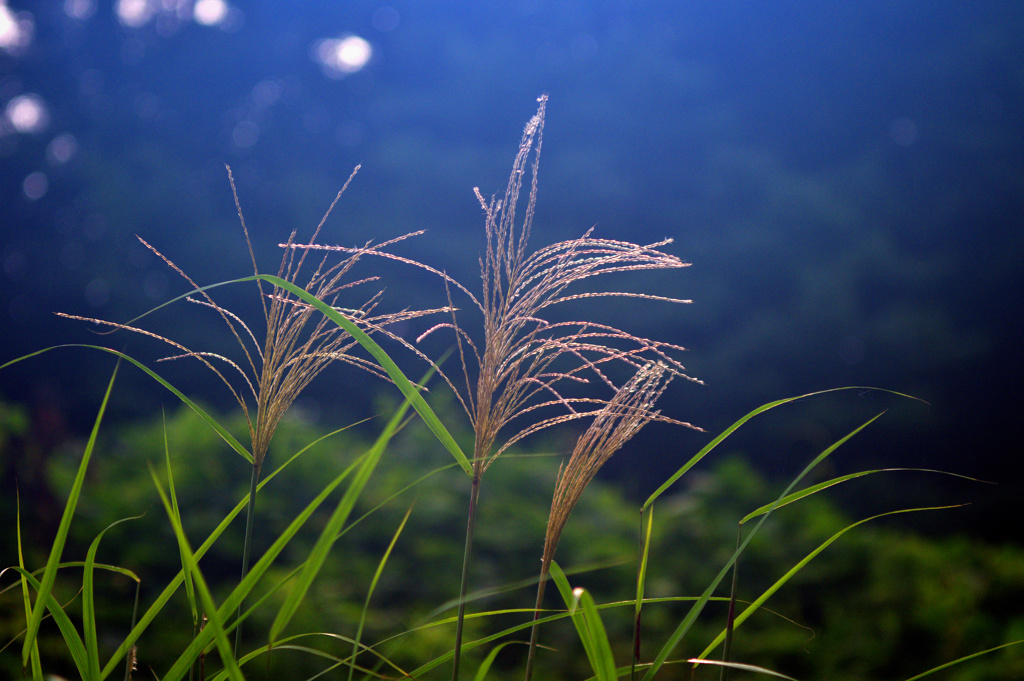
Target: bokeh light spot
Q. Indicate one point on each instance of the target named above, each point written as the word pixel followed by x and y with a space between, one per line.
pixel 903 131
pixel 210 12
pixel 28 113
pixel 15 29
pixel 35 186
pixel 97 292
pixel 79 9
pixel 62 149
pixel 245 134
pixel 134 13
pixel 342 56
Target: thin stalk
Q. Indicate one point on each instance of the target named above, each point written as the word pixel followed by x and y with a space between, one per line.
pixel 729 625
pixel 541 583
pixel 474 496
pixel 249 511
pixel 639 603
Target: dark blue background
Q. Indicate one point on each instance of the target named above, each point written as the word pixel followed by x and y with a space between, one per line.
pixel 846 178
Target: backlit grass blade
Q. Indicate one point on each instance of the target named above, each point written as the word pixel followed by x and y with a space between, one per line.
pixel 373 587
pixel 215 622
pixel 74 643
pixel 731 429
pixel 50 572
pixel 410 391
pixel 808 491
pixel 190 594
pixel 172 587
pixel 770 591
pixel 742 667
pixel 641 580
pixel 318 554
pixel 588 625
pixel 37 668
pixel 965 658
pixel 697 607
pixel 89 603
pixel 244 587
pixel 219 429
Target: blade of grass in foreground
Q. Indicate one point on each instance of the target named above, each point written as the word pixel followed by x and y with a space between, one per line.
pixel 215 620
pixel 759 410
pixel 372 588
pixel 318 554
pixel 92 648
pixel 697 607
pixel 37 667
pixel 588 624
pixel 770 591
pixel 50 573
pixel 170 589
pixel 219 429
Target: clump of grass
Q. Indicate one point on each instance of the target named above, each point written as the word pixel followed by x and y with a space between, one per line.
pixel 514 378
pixel 299 343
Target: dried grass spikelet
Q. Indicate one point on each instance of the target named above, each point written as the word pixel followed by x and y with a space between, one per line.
pixel 299 341
pixel 616 423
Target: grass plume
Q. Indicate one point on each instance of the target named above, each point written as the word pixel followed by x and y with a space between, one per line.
pixel 299 342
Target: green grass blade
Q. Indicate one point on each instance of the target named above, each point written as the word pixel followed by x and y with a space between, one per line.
pixel 74 643
pixel 411 393
pixel 965 658
pixel 215 620
pixel 219 429
pixel 89 603
pixel 770 591
pixel 742 667
pixel 485 666
pixel 808 491
pixel 760 410
pixel 37 667
pixel 190 593
pixel 331 531
pixel 604 662
pixel 172 587
pixel 373 587
pixel 244 587
pixel 50 573
pixel 697 607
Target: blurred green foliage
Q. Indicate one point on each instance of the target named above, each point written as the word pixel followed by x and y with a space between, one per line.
pixel 880 604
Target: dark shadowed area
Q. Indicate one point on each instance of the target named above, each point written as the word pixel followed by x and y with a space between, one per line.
pixel 847 180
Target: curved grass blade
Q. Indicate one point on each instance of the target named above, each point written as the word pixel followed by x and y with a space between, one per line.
pixel 172 587
pixel 697 607
pixel 485 666
pixel 220 430
pixel 331 531
pixel 36 662
pixel 89 602
pixel 808 491
pixel 588 625
pixel 410 391
pixel 373 587
pixel 770 591
pixel 50 572
pixel 965 658
pixel 215 620
pixel 759 410
pixel 75 645
pixel 742 667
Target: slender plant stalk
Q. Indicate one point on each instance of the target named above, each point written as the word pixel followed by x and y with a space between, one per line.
pixel 247 546
pixel 474 497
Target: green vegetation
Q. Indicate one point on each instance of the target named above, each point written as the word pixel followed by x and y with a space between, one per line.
pixel 350 549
